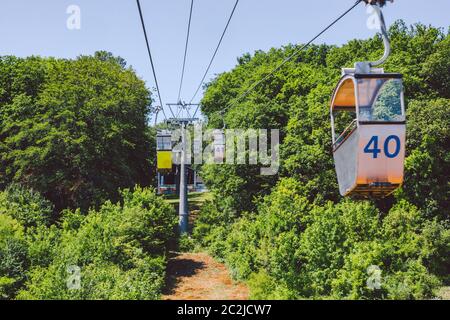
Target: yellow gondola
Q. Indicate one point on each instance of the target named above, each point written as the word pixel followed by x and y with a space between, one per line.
pixel 164 150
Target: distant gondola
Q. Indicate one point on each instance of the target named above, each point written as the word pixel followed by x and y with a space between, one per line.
pixel 164 150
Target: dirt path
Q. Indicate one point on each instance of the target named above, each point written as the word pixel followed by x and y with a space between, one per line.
pixel 197 276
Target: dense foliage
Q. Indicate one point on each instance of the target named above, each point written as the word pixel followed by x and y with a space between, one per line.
pixel 120 249
pixel 74 130
pixel 292 235
pixel 73 133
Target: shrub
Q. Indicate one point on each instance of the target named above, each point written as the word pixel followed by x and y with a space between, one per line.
pixel 427 164
pixel 22 212
pixel 14 260
pixel 241 245
pixel 264 287
pixel 120 250
pixel 294 249
pixel 99 281
pixel 26 206
pixel 147 220
pixel 352 279
pixel 213 213
pixel 186 243
pixel 43 244
pixel 216 242
pixel 400 251
pixel 413 282
pixel 436 249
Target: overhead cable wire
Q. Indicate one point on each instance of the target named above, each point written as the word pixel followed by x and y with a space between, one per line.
pixel 150 56
pixel 289 58
pixel 215 51
pixel 185 50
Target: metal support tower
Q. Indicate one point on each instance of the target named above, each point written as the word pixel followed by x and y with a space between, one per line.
pixel 183 119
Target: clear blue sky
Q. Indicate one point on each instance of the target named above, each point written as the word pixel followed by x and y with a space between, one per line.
pixel 30 27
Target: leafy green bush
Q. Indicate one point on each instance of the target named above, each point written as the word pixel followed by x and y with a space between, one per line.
pixel 24 216
pixel 43 244
pixel 334 231
pixel 120 251
pixel 26 206
pixel 415 282
pixel 240 248
pixel 186 243
pixel 147 221
pixel 294 249
pixel 215 214
pixel 263 287
pixel 102 281
pixel 428 162
pixel 437 248
pixel 13 256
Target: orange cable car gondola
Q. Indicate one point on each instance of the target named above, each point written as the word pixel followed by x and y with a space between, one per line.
pixel 368 109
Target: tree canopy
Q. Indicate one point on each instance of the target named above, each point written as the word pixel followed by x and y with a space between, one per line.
pixel 292 235
pixel 74 130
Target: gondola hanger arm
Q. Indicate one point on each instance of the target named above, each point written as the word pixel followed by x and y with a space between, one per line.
pixel 367 66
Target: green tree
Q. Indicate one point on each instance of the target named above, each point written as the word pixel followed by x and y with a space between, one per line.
pixel 296 101
pixel 291 235
pixel 74 130
pixel 427 164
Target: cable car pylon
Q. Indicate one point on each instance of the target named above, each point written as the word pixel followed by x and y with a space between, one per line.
pixel 369 126
pixel 182 118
